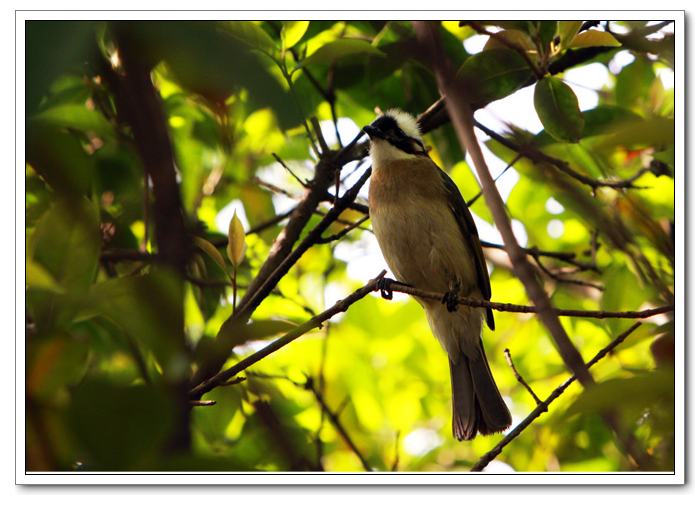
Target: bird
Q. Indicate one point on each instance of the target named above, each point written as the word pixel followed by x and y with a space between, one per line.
pixel 429 240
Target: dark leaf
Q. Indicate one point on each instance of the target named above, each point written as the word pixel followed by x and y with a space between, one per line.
pixel 494 74
pixel 557 107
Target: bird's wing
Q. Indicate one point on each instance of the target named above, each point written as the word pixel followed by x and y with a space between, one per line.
pixel 471 237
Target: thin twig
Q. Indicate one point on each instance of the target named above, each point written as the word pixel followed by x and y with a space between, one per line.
pixel 543 406
pixel 343 232
pixel 319 134
pixel 395 464
pixel 559 278
pixel 474 198
pixel 202 403
pixel 537 156
pixel 314 322
pixel 392 285
pixel 334 419
pixel 567 257
pixel 519 377
pixel 291 172
pixel 267 224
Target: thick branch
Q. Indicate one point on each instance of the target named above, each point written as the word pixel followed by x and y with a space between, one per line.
pixel 543 406
pixel 392 285
pixel 138 102
pixel 140 105
pixel 460 111
pixel 340 306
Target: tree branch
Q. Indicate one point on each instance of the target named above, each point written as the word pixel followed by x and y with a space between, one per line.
pixel 543 406
pixel 334 419
pixel 519 377
pixel 139 103
pixel 538 156
pixel 392 285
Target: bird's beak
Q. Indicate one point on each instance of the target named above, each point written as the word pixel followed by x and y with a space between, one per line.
pixel 373 132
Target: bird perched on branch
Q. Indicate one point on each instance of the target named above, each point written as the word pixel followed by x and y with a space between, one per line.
pixel 429 240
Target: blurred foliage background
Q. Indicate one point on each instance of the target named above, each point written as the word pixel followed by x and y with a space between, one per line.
pixel 114 335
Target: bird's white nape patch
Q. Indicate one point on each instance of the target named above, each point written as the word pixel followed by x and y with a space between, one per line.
pixel 406 122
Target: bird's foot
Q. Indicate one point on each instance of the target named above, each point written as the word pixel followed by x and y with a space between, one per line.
pixel 451 297
pixel 385 287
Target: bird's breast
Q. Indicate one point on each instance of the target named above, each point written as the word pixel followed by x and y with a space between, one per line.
pixel 417 233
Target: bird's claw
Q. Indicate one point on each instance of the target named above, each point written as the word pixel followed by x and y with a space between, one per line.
pixel 384 287
pixel 451 297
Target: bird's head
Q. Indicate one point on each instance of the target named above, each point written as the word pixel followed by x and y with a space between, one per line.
pixel 395 134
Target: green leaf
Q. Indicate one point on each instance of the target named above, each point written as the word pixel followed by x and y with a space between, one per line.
pixel 557 107
pixel 629 393
pixel 54 48
pixel 153 303
pixel 514 37
pixel 544 32
pixel 54 363
pixel 494 74
pixel 634 83
pixel 60 159
pixel 292 32
pixel 236 333
pixel 594 38
pixel 75 116
pixel 656 131
pixel 39 278
pixel 567 31
pixel 212 252
pixel 119 426
pixel 207 59
pixel 598 121
pixel 66 243
pixel 338 49
pixel 250 34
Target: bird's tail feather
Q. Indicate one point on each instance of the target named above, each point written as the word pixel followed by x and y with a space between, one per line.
pixel 477 405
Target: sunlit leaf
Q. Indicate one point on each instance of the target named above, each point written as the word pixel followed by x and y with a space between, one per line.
pixel 292 32
pixel 236 241
pixel 250 34
pixel 640 391
pixel 634 82
pixel 39 278
pixel 340 48
pixel 567 31
pixel 598 121
pixel 594 38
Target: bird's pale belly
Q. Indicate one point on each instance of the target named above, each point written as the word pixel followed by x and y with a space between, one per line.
pixel 423 245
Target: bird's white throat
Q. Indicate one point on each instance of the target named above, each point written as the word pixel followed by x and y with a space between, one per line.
pixel 381 151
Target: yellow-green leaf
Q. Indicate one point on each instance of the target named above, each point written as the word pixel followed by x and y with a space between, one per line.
pixel 568 31
pixel 341 48
pixel 236 241
pixel 594 38
pixel 40 278
pixel 211 251
pixel 292 32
